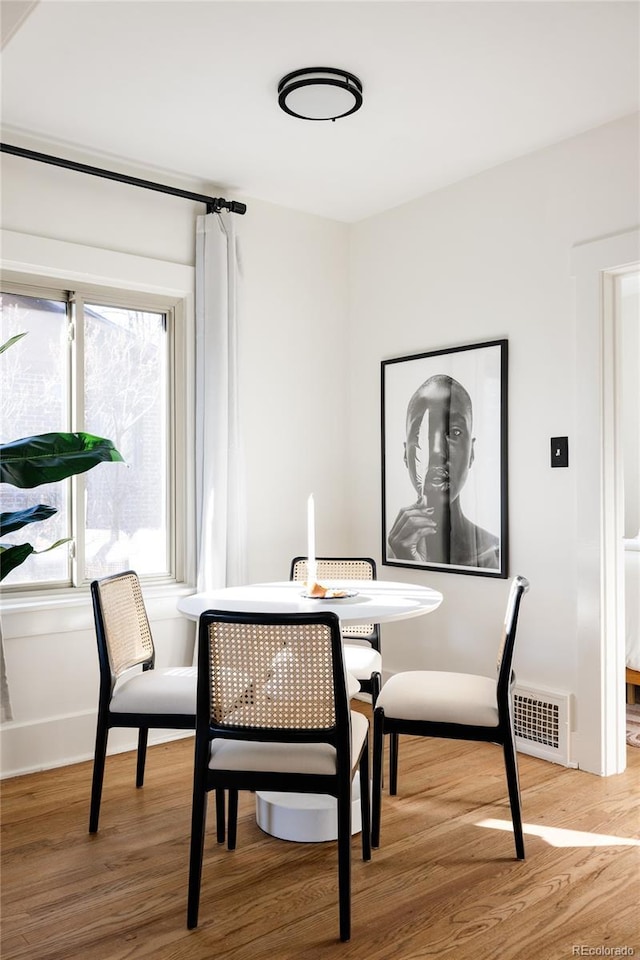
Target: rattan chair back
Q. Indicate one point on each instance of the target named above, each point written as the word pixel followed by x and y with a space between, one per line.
pixel 342 568
pixel 122 624
pixel 274 676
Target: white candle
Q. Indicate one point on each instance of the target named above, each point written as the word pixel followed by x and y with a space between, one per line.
pixel 311 541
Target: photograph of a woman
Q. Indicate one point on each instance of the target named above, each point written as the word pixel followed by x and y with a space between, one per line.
pixel 444 460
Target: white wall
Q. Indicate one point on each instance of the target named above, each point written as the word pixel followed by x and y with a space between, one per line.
pixel 294 313
pixel 486 258
pixel 293 384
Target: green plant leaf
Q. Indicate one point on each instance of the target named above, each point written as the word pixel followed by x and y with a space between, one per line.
pixel 12 555
pixel 49 457
pixel 9 522
pixel 10 342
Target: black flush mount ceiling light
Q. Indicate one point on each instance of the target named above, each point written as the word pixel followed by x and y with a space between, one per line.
pixel 320 93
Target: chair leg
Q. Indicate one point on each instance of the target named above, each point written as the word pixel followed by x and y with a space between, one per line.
pixel 220 815
pixel 378 748
pixel 233 819
pixel 365 802
pixel 394 748
pixel 513 783
pixel 143 735
pixel 99 760
pixel 376 687
pixel 344 862
pixel 198 827
pixel 376 684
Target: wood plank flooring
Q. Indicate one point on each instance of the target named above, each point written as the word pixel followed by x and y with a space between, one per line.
pixel 444 882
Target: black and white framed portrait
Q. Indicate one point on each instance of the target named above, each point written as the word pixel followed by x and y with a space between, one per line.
pixel 444 460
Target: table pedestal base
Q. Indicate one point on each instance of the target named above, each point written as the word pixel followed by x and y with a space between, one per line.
pixel 304 817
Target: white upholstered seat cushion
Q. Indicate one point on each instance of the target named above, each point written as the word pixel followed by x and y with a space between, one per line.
pixel 164 690
pixel 353 686
pixel 257 755
pixel 441 697
pixel 361 661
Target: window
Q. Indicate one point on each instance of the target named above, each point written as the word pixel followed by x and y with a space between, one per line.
pixel 101 362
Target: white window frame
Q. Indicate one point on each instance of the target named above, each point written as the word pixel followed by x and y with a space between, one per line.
pixel 124 280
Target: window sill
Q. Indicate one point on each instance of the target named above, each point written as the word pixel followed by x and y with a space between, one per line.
pixel 80 596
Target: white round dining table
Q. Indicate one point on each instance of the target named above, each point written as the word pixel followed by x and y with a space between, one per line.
pixel 369 601
pixel 311 818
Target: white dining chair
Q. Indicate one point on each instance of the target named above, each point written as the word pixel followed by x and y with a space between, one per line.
pixel 455 706
pixel 133 692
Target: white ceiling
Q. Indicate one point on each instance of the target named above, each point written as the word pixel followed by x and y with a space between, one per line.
pixel 450 89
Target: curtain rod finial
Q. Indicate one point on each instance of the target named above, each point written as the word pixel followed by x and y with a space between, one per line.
pixel 233 206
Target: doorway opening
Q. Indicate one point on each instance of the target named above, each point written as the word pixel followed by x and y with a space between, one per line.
pixel 599 268
pixel 627 325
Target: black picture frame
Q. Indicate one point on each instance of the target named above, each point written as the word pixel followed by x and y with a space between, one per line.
pixel 444 460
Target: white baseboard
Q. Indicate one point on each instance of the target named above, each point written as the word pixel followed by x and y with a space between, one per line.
pixel 60 741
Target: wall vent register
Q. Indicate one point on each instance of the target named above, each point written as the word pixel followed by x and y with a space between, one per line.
pixel 541 724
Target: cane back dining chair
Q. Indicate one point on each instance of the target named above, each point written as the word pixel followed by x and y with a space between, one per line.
pixel 146 698
pixel 362 654
pixel 273 714
pixel 454 706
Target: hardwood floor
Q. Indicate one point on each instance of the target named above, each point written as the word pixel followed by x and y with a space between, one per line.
pixel 442 884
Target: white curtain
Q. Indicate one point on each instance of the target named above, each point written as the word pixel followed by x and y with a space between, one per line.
pixel 220 500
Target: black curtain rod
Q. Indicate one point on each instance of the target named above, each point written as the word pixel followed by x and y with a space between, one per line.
pixel 214 204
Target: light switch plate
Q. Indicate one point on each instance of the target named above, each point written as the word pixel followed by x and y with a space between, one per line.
pixel 559 451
